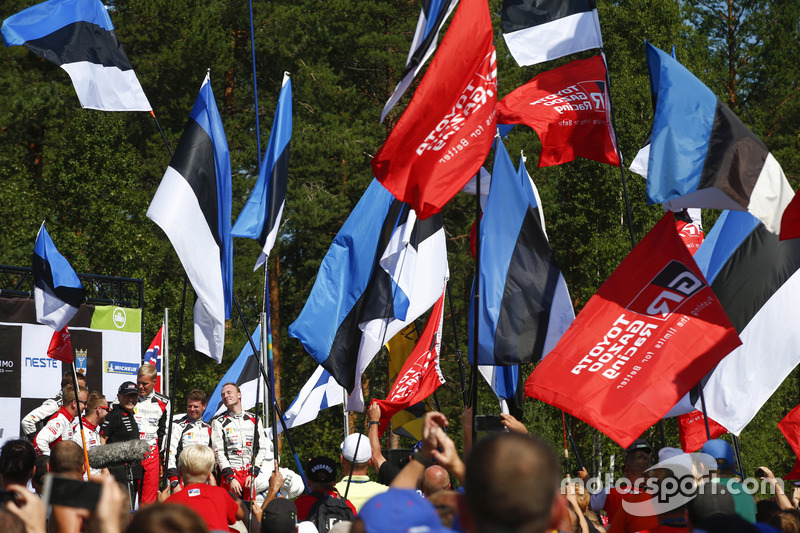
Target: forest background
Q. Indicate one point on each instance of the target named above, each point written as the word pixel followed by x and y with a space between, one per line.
pixel 91 175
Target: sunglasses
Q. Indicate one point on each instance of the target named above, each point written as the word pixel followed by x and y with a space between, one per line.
pixel 104 407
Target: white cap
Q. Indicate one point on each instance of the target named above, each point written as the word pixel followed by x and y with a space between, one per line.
pixel 362 454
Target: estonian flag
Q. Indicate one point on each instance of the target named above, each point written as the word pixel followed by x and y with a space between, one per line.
pixel 755 276
pixel 702 155
pixel 57 290
pixel 384 269
pixel 320 392
pixel 193 207
pixel 541 30
pixel 525 307
pixel 245 373
pixel 77 35
pixel 431 18
pixel 261 215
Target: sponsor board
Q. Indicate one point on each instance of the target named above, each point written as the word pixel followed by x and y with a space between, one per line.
pixel 121 367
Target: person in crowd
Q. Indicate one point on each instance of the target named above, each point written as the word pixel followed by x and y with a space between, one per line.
pixel 511 484
pixel 709 506
pixel 120 425
pixel 166 518
pixel 637 462
pixel 446 504
pixel 786 521
pixel 152 414
pixel 321 477
pixel 385 469
pixel 356 457
pixel 238 441
pixel 17 462
pixel 397 510
pixel 36 419
pixel 726 474
pixel 59 427
pixel 280 516
pixel 67 460
pixel 434 479
pixel 187 431
pixel 94 417
pixel 216 507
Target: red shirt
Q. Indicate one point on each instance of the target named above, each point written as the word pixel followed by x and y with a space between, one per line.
pixel 306 501
pixel 214 505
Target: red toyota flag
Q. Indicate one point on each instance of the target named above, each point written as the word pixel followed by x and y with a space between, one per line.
pixel 692 430
pixel 61 346
pixel 421 374
pixel 154 356
pixel 569 108
pixel 447 130
pixel 790 427
pixel 648 335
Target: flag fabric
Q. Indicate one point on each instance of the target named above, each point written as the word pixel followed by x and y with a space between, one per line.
pixel 154 356
pixel 504 381
pixel 702 155
pixel 57 290
pixel 524 304
pixel 690 228
pixel 384 269
pixel 193 207
pixel 61 346
pixel 790 427
pixel 445 133
pixel 421 374
pixel 431 18
pixel 245 373
pixel 541 30
pixel 262 213
pixel 648 335
pixel 78 36
pixel 755 276
pixel 570 109
pixel 692 430
pixel 320 392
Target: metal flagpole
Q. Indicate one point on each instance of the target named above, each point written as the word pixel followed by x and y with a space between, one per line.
pixel 175 376
pixel 80 411
pixel 165 352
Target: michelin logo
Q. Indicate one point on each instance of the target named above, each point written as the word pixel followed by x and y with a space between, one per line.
pixel 117 367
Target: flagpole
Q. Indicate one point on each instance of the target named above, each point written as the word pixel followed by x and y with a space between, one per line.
pixel 163 137
pixel 165 351
pixel 738 454
pixel 461 370
pixel 80 418
pixel 174 387
pixel 705 412
pixel 255 94
pixel 473 386
pixel 277 409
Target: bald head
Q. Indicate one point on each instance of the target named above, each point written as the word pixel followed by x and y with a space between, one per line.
pixel 66 458
pixel 435 479
pixel 511 483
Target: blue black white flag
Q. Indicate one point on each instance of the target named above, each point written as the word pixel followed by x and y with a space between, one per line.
pixel 384 269
pixel 244 373
pixel 57 290
pixel 262 213
pixel 525 307
pixel 702 155
pixel 320 392
pixel 541 30
pixel 193 207
pixel 431 18
pixel 78 36
pixel 755 277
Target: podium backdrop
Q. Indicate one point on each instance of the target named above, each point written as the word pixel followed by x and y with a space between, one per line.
pixel 107 342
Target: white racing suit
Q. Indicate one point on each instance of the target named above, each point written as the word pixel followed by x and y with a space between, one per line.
pixel 236 439
pixel 36 418
pixel 185 432
pixel 92 434
pixel 151 415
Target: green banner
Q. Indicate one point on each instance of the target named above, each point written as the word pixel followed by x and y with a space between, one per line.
pixel 117 318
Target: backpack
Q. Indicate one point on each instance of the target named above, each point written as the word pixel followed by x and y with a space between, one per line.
pixel 328 510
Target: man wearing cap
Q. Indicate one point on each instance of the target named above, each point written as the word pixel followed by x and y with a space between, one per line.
pixel 321 477
pixel 726 475
pixel 398 510
pixel 637 462
pixel 120 425
pixel 356 457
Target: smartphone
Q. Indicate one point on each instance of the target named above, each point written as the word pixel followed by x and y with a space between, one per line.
pixel 7 496
pixel 760 473
pixel 489 423
pixel 59 490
